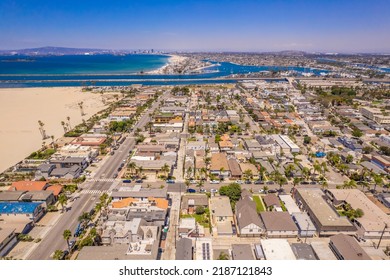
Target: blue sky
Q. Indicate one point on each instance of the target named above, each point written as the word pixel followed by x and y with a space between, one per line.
pixel 242 25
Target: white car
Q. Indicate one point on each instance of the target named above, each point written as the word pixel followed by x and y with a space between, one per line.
pixel 214 182
pixel 213 190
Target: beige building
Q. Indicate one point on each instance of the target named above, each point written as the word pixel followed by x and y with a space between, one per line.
pixel 372 223
pixel 325 218
pixel 221 215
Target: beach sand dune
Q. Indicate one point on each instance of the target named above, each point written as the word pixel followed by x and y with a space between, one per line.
pixel 21 108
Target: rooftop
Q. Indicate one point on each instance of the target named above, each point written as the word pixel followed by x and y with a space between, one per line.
pixel 278 221
pixel 18 207
pixel 277 249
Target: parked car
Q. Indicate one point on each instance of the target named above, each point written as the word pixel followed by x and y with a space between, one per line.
pixel 115 175
pixel 170 181
pixel 202 190
pixel 139 181
pixel 259 182
pixel 214 182
pixel 270 182
pixel 239 182
pixel 127 181
pixel 64 255
pixel 248 182
pixel 213 190
pixel 191 191
pixel 272 191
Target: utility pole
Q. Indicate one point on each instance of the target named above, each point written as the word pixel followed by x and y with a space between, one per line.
pixel 380 239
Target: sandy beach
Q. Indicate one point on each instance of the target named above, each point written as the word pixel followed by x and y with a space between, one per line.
pixel 21 108
pixel 172 60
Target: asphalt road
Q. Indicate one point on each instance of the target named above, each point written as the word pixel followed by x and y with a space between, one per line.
pixel 69 220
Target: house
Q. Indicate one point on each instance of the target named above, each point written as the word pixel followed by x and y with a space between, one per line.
pixel 11 196
pixel 346 247
pixel 8 239
pixel 219 165
pixel 279 224
pixel 252 145
pixel 242 252
pixel 305 226
pixel 235 169
pixel 24 212
pixel 29 186
pixel 45 197
pixel 324 216
pixel 188 227
pixel 271 201
pixel 151 209
pixel 196 145
pixel 221 215
pixel 303 251
pixel 184 249
pixel 248 221
pixel 373 222
pixel 277 249
pixel 189 202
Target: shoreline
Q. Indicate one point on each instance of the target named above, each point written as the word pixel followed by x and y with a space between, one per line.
pixel 22 108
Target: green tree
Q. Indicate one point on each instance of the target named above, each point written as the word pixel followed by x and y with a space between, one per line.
pixel 67 235
pixel 357 133
pixel 223 256
pixel 199 210
pixel 62 200
pixel 57 254
pixel 306 140
pixel 233 191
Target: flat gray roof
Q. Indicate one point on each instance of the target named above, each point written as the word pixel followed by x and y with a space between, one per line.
pixel 303 251
pixel 242 252
pixel 321 209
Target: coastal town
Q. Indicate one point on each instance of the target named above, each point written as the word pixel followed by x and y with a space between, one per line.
pixel 295 168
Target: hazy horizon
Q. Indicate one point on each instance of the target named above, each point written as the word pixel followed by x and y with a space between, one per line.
pixel 216 26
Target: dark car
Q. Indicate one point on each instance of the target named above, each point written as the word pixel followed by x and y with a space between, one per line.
pixel 139 181
pixel 305 183
pixel 258 182
pixel 64 255
pixel 126 181
pixel 248 182
pixel 272 191
pixel 115 175
pixel 191 191
pixel 170 181
pixel 270 182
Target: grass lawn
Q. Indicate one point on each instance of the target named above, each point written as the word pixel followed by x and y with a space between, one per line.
pixel 202 220
pixel 259 204
pixel 283 206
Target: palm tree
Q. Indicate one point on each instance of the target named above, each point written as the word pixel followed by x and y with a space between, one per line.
pixel 288 171
pixel 69 126
pixel 63 126
pixel 317 167
pixel 42 129
pixel 296 181
pixel 377 180
pixel 132 166
pixel 81 108
pixel 140 170
pixel 223 256
pixel 165 169
pixel 248 174
pixel 62 200
pixel 324 184
pixel 67 235
pixel 52 141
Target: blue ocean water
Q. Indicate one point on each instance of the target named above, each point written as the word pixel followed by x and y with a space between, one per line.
pixel 79 70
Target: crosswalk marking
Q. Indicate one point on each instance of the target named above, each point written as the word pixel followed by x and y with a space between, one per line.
pixel 102 180
pixel 94 192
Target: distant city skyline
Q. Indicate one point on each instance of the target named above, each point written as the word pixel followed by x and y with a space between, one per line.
pixel 243 26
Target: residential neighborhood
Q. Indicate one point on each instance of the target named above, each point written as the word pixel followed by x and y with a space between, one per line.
pixel 252 170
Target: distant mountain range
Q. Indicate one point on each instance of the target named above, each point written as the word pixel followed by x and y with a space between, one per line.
pixel 56 51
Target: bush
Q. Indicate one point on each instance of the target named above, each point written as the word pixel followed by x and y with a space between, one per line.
pixel 199 210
